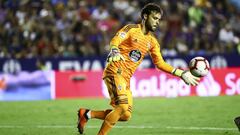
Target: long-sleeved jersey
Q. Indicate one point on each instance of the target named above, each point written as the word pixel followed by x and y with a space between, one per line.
pixel 133 46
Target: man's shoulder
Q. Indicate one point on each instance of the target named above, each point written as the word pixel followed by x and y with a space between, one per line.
pixel 128 27
pixel 153 36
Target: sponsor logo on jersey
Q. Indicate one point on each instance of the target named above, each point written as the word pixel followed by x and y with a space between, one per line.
pixel 135 55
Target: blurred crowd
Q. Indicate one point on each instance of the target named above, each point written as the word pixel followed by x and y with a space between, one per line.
pixel 78 28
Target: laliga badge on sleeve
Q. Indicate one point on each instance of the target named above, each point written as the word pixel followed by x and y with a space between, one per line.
pixel 122 35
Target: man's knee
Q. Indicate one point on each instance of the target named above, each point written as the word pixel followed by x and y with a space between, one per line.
pixel 126 116
pixel 126 112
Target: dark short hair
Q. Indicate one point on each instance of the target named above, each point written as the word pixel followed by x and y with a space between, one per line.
pixel 147 9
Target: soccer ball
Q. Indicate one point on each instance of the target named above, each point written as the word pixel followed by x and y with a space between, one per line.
pixel 199 66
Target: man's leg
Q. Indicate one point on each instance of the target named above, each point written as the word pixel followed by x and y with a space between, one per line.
pixel 99 114
pixel 120 111
pixel 102 114
pixel 120 101
pixel 84 115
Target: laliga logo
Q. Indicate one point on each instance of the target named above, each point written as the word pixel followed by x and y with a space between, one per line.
pixel 156 85
pixel 208 87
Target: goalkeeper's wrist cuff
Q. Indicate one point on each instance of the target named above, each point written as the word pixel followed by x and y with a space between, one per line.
pixel 177 72
pixel 113 47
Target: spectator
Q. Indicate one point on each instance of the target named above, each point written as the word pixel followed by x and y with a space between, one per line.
pixel 100 13
pixel 195 14
pixel 227 39
pixel 89 25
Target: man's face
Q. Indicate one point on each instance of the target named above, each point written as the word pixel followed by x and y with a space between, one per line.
pixel 153 20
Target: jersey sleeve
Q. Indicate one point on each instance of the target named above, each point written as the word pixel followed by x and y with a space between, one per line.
pixel 120 36
pixel 157 57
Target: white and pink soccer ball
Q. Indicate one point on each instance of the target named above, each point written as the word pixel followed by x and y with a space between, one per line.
pixel 199 66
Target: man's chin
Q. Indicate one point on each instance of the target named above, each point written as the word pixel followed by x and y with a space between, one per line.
pixel 153 29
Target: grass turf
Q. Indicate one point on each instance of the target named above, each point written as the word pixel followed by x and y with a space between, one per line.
pixel 151 116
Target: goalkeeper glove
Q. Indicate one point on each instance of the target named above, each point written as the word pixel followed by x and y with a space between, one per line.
pixel 187 77
pixel 114 55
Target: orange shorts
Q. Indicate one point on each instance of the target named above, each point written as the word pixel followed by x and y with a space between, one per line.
pixel 119 90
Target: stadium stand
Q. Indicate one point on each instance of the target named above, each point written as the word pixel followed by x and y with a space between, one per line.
pixel 78 28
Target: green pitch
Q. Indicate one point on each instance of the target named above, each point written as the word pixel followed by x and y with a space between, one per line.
pixel 151 116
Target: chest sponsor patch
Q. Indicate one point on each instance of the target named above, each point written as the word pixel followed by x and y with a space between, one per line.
pixel 135 55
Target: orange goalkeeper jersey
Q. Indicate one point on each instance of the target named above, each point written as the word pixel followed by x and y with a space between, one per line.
pixel 134 45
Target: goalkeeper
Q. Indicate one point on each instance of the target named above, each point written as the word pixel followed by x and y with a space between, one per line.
pixel 128 48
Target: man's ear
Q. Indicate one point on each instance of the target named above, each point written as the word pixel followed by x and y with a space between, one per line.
pixel 145 16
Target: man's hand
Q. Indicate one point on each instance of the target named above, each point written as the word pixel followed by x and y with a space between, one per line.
pixel 189 79
pixel 114 55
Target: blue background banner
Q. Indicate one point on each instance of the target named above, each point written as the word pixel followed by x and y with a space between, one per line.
pixel 98 63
